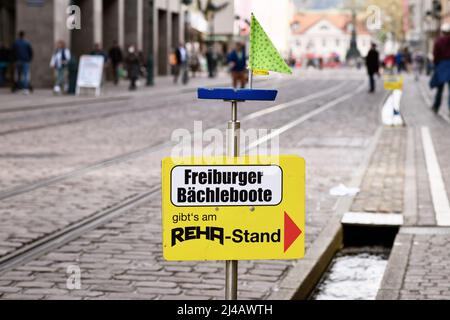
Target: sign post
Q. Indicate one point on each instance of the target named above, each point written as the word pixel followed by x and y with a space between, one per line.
pixel 231 266
pixel 259 207
pixel 233 207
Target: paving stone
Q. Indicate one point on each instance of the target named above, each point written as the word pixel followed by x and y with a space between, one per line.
pixel 131 244
pixel 35 284
pixel 9 289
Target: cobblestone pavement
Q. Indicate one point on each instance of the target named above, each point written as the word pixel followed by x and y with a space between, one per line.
pixel 418 266
pixel 32 215
pixel 427 275
pixel 383 183
pixel 85 135
pixel 123 258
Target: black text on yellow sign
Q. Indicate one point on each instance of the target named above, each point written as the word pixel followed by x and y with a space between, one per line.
pixel 233 208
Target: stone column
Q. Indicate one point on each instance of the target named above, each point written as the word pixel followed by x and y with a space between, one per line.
pixel 131 18
pixel 98 22
pixel 140 25
pixel 7 25
pixel 60 30
pixel 162 42
pixel 83 39
pixel 121 24
pixel 38 23
pixel 111 23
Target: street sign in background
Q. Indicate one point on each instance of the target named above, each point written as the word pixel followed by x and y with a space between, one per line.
pixel 244 209
pixel 90 72
pixel 393 82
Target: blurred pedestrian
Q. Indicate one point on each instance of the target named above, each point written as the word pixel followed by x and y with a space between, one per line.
pixel 441 74
pixel 59 62
pixel 320 63
pixel 418 64
pixel 211 58
pixel 133 67
pixel 98 51
pixel 5 58
pixel 237 61
pixel 23 55
pixel 142 65
pixel 194 63
pixel 389 63
pixel 400 62
pixel 116 58
pixel 407 57
pixel 373 66
pixel 181 65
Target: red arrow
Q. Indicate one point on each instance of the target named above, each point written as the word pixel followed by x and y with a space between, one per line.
pixel 291 232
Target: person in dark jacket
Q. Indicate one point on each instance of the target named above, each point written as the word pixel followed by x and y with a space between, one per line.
pixel 238 61
pixel 373 66
pixel 98 51
pixel 133 67
pixel 441 74
pixel 116 58
pixel 23 55
pixel 5 58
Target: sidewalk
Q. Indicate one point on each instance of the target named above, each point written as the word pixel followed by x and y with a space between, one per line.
pixel 163 85
pixel 418 264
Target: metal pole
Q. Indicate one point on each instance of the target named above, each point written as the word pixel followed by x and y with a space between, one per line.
pixel 231 266
pixel 250 77
pixel 150 60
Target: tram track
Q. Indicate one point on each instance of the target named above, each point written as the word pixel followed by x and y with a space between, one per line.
pixel 93 114
pixel 152 148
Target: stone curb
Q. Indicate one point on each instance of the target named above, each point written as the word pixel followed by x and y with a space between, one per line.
pixel 393 277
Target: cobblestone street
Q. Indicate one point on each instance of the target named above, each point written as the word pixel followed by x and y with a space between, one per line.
pixel 80 187
pixel 123 258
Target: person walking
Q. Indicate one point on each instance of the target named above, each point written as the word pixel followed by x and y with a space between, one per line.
pixel 98 51
pixel 418 64
pixel 194 63
pixel 59 62
pixel 5 57
pixel 181 64
pixel 237 61
pixel 116 58
pixel 400 62
pixel 441 74
pixel 133 67
pixel 408 61
pixel 211 61
pixel 23 55
pixel 373 66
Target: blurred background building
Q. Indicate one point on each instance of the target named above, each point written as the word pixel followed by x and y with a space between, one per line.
pixel 153 26
pixel 326 35
pixel 298 28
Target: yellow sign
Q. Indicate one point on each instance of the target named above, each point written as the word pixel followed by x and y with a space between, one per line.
pixel 393 82
pixel 233 208
pixel 260 72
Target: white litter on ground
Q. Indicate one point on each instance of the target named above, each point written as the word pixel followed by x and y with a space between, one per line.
pixel 343 191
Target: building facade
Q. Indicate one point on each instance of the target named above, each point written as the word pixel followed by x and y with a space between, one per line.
pixel 274 16
pixel 321 34
pixel 153 26
pixel 445 10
